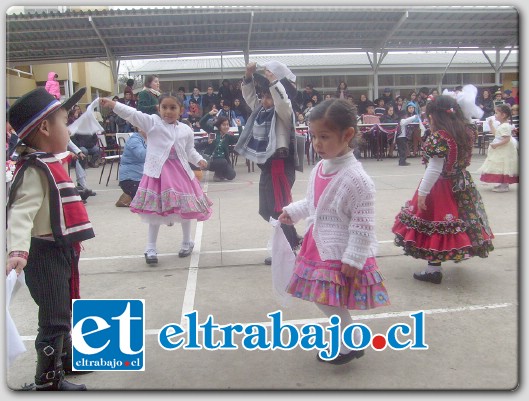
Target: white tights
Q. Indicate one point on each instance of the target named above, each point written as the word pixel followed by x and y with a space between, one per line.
pixel 346 320
pixel 152 234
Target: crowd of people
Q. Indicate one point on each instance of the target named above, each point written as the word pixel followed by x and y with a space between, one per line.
pixel 335 267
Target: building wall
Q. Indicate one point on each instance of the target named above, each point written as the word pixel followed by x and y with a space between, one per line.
pixel 16 86
pixel 95 76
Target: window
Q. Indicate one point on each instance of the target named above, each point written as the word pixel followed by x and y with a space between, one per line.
pixel 405 80
pixel 429 80
pixel 452 79
pixel 472 78
pixel 357 80
pixel 385 80
pixel 332 81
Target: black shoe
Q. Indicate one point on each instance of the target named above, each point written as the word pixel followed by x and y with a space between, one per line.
pixel 434 277
pixel 404 164
pixel 80 189
pixel 186 252
pixel 151 257
pixel 268 261
pixel 84 194
pixel 342 359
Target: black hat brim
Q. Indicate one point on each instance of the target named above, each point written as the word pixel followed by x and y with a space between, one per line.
pixel 74 99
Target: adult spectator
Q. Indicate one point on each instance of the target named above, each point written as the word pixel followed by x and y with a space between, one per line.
pixel 341 91
pixel 308 93
pixel 210 100
pixel 486 104
pixel 268 139
pixel 507 98
pixel 225 91
pixel 148 97
pixel 89 145
pixel 131 167
pixel 498 98
pixel 387 97
pixel 219 146
pixel 362 104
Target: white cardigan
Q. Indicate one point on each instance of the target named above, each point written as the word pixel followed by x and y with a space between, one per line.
pixel 344 221
pixel 161 137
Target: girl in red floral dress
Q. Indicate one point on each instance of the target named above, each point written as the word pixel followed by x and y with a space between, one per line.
pixel 445 219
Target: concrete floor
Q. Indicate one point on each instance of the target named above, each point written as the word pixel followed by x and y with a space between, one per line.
pixel 472 318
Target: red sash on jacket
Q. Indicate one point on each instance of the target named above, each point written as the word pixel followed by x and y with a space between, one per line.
pixel 68 217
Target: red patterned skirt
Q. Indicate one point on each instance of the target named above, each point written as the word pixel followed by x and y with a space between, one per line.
pixel 454 226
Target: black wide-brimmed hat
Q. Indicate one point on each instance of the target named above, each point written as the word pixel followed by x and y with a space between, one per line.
pixel 34 107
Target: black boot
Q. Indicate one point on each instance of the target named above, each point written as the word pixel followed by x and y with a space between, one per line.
pixel 50 373
pixel 67 358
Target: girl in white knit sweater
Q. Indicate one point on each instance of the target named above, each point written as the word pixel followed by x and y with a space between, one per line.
pixel 336 267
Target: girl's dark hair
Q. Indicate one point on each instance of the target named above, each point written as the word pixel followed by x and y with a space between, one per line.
pixel 130 82
pixel 505 109
pixel 447 116
pixel 169 95
pixel 338 114
pixel 219 121
pixel 149 79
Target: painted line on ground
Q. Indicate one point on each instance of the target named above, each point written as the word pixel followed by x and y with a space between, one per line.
pixel 225 250
pixel 192 276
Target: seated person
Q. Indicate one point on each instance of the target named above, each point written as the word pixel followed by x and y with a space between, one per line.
pixel 131 167
pixel 219 146
pixel 89 145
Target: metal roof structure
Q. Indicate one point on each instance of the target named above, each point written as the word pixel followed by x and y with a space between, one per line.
pixel 333 63
pixel 114 35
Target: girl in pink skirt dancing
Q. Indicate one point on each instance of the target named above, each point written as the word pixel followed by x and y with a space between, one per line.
pixel 336 267
pixel 168 191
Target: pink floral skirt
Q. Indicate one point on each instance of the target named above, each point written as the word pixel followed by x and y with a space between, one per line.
pixel 324 283
pixel 171 197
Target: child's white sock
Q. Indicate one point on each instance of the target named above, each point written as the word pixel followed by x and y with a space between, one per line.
pixel 346 320
pixel 152 236
pixel 186 233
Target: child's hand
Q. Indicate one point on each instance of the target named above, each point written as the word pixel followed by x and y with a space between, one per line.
pixel 250 69
pixel 349 270
pixel 107 103
pixel 421 202
pixel 284 218
pixel 16 263
pixel 270 76
pixel 203 164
